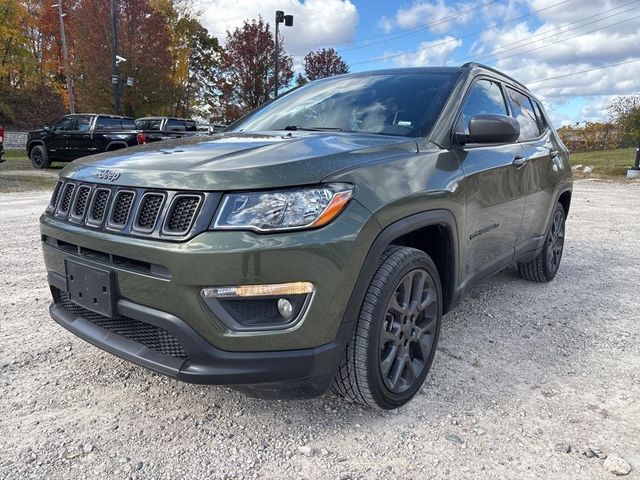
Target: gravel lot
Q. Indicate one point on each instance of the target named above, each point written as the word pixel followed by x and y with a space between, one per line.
pixel 530 381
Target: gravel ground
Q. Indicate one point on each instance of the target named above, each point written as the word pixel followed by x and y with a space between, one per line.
pixel 530 381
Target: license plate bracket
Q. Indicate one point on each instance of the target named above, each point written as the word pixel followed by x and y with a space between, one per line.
pixel 91 287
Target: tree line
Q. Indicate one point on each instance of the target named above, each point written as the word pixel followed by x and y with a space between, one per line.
pixel 178 67
pixel 620 130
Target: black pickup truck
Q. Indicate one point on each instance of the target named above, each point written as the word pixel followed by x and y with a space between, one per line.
pixel 79 135
pixel 154 129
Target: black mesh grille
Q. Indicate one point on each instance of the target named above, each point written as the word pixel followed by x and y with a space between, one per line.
pixel 152 337
pixel 182 212
pixel 56 194
pixel 121 208
pixel 67 195
pixel 81 201
pixel 99 205
pixel 149 211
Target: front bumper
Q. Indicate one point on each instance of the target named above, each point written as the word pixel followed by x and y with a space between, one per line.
pixel 184 355
pixel 167 296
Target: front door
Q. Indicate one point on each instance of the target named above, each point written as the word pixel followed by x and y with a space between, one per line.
pixel 495 189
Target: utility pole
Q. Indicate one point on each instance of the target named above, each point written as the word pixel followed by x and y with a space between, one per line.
pixel 115 76
pixel 288 21
pixel 65 54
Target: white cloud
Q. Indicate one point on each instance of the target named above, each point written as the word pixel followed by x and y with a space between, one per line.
pixel 436 52
pixel 316 24
pixel 422 12
pixel 531 53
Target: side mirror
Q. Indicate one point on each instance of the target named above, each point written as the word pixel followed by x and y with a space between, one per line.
pixel 46 127
pixel 490 128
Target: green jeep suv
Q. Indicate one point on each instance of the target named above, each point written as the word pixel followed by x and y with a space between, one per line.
pixel 319 240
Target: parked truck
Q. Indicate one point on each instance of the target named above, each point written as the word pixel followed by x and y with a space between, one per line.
pixel 79 135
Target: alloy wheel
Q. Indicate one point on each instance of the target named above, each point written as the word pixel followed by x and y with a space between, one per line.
pixel 408 330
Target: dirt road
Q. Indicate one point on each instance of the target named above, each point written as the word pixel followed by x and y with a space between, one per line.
pixel 530 381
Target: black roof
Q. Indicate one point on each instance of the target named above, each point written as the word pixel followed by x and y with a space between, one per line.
pixel 108 115
pixel 168 118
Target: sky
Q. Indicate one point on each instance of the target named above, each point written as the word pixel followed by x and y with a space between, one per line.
pixel 555 47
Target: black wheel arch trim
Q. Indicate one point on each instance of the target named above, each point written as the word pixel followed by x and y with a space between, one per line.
pixel 34 143
pixel 401 227
pixel 120 143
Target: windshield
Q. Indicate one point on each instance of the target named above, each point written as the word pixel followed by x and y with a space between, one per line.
pixel 405 104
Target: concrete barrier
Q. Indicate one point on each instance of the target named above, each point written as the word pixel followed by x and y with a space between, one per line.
pixel 15 140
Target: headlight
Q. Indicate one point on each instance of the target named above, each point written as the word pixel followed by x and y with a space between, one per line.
pixel 278 210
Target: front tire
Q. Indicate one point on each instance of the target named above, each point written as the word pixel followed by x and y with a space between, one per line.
pixel 545 266
pixel 395 337
pixel 39 157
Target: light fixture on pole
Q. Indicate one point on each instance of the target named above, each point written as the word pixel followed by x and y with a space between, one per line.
pixel 115 60
pixel 288 21
pixel 65 53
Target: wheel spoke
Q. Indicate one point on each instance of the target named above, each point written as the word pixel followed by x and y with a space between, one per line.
pixel 388 360
pixel 396 370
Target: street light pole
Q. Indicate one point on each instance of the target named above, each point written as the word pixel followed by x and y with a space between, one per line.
pixel 288 21
pixel 65 54
pixel 115 77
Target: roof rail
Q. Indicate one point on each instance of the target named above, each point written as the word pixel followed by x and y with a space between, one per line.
pixel 480 65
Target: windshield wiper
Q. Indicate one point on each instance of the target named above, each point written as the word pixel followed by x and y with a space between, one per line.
pixel 312 129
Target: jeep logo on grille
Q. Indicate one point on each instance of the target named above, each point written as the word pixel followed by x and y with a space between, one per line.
pixel 110 175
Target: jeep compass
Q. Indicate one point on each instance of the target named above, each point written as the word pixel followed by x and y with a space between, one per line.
pixel 319 240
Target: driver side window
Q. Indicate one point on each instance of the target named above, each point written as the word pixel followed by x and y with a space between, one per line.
pixel 484 96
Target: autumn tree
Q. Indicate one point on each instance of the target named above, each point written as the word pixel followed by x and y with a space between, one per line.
pixel 324 63
pixel 196 59
pixel 143 39
pixel 248 74
pixel 625 112
pixel 29 95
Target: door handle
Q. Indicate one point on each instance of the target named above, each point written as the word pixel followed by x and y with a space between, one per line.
pixel 519 161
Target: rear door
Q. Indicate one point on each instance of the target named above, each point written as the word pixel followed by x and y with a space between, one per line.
pixel 495 188
pixel 542 171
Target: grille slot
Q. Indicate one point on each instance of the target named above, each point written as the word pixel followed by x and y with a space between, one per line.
pixel 149 211
pixel 99 205
pixel 182 213
pixel 151 336
pixel 80 204
pixel 67 196
pixel 56 195
pixel 121 208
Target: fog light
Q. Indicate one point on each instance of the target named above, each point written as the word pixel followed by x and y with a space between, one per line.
pixel 285 308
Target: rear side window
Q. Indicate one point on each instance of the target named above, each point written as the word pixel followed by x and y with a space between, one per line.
pixel 175 125
pixel 522 110
pixel 543 125
pixel 109 123
pixel 484 96
pixel 83 123
pixel 190 125
pixel 149 124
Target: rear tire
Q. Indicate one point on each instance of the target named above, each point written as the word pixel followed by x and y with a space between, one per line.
pixel 394 340
pixel 545 266
pixel 39 157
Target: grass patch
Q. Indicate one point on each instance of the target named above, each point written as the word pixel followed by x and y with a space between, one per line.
pixel 14 154
pixel 606 163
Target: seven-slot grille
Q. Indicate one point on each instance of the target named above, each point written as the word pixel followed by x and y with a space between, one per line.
pixel 129 211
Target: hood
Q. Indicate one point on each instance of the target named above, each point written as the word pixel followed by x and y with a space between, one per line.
pixel 237 161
